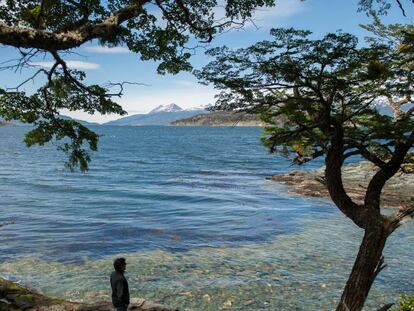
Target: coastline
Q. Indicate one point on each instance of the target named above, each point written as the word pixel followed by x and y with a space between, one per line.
pixel 223 124
pixel 268 277
pixel 397 193
pixel 14 296
pixel 220 119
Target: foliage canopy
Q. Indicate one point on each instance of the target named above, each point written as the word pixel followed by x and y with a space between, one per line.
pixel 157 30
pixel 318 85
pixel 332 97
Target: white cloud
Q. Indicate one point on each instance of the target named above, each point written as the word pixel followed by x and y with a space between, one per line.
pixel 95 118
pixel 267 16
pixel 281 11
pixel 73 64
pixel 186 83
pixel 107 50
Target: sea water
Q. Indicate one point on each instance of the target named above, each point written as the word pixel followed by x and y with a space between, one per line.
pixel 191 210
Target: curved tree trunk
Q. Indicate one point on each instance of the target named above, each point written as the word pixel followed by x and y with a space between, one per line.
pixel 366 267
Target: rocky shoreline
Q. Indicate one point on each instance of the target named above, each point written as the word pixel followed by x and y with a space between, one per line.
pixel 15 297
pixel 397 193
pixel 220 119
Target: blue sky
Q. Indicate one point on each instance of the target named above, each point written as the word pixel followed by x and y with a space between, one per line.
pixel 103 64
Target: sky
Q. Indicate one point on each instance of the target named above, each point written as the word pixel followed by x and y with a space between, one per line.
pixel 103 64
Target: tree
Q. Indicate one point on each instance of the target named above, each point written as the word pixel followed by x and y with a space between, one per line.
pixel 156 30
pixel 326 91
pixel 381 6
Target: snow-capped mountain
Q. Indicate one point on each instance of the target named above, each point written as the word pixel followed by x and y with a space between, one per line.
pixel 201 107
pixel 162 115
pixel 166 108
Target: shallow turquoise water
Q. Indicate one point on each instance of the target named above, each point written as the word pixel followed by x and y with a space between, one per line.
pixel 191 210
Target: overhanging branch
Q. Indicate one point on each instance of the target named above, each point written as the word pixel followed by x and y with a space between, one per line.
pixel 401 216
pixel 41 39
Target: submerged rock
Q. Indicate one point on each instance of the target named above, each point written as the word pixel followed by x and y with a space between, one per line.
pixel 14 297
pixel 397 193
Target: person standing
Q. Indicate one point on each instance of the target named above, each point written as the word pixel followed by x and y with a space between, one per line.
pixel 119 285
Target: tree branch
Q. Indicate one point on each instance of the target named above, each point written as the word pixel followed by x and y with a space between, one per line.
pixel 333 176
pixel 373 193
pixel 367 154
pixel 401 216
pixel 31 78
pixel 34 38
pixel 187 17
pixel 401 7
pixel 351 153
pixel 386 307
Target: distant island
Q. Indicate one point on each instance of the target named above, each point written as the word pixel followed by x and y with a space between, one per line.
pixel 63 117
pixel 220 119
pixel 172 114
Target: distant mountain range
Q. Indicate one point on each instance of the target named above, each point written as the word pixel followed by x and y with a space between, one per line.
pixel 18 123
pixel 162 115
pixel 84 123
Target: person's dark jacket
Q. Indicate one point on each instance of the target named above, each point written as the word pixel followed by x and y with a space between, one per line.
pixel 120 290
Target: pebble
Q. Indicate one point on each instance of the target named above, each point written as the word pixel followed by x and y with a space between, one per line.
pixel 206 297
pixel 227 304
pixel 249 302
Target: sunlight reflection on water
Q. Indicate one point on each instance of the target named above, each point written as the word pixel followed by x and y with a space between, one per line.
pixel 191 210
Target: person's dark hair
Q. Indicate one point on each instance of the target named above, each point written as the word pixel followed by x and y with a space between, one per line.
pixel 118 263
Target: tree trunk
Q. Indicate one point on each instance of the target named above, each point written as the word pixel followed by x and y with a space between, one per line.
pixel 366 267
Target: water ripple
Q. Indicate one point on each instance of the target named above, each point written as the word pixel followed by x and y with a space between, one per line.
pixel 192 211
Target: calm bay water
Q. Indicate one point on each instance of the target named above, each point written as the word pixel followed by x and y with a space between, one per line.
pixel 191 210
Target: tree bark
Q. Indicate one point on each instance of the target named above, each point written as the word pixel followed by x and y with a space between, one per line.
pixel 368 264
pixel 25 37
pixel 333 175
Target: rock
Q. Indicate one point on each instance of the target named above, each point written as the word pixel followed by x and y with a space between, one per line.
pixel 227 304
pixel 206 297
pixel 16 297
pixel 5 301
pixel 397 193
pixel 249 302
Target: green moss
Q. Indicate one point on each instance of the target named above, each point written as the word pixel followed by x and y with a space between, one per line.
pixel 13 287
pixel 18 295
pixel 28 298
pixel 406 303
